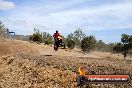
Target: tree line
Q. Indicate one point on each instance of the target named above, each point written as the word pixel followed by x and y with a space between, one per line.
pixel 87 43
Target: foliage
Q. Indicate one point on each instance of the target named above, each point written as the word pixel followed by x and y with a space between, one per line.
pixel 109 47
pixel 127 42
pixel 42 37
pixel 3 30
pixel 118 47
pixel 76 36
pixel 47 42
pixel 125 38
pixel 47 38
pixel 31 38
pixel 125 46
pixel 70 36
pixel 100 46
pixel 71 44
pixel 88 43
pixel 36 37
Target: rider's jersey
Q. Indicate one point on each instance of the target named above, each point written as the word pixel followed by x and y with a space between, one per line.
pixel 56 35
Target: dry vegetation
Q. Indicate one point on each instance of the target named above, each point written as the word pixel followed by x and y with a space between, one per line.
pixel 28 65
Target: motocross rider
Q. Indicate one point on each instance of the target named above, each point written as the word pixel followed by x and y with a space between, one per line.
pixel 57 37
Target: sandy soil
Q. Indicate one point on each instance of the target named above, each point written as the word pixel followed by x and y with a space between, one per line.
pixel 29 65
pixel 8 46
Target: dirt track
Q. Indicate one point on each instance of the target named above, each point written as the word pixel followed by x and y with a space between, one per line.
pixel 28 65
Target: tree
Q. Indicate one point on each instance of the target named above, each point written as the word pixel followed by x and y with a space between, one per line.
pixel 118 47
pixel 71 44
pixel 36 30
pixel 3 30
pixel 109 47
pixel 127 41
pixel 36 37
pixel 125 46
pixel 88 43
pixel 130 42
pixel 47 38
pixel 69 41
pixel 101 46
pixel 41 37
pixel 31 38
pixel 78 36
pixel 125 38
pixel 70 36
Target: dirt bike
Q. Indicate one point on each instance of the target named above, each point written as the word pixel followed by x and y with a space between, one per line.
pixel 58 43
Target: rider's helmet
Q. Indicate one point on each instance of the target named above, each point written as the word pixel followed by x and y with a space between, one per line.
pixel 56 31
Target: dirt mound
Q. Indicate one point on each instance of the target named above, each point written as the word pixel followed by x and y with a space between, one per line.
pixel 8 46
